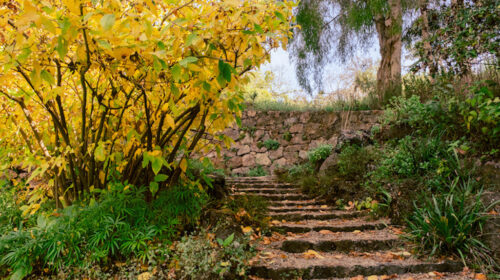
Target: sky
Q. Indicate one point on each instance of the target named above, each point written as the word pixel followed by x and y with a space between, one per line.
pixel 284 70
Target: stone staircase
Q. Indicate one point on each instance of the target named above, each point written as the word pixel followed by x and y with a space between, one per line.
pixel 311 240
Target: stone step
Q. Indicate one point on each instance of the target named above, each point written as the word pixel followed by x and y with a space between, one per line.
pixel 300 215
pixel 251 179
pixel 300 207
pixel 345 242
pixel 328 265
pixel 292 203
pixel 335 225
pixel 266 190
pixel 258 185
pixel 276 197
pixel 433 275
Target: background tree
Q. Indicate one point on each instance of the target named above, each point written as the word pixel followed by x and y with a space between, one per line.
pixel 454 36
pixel 335 29
pixel 93 91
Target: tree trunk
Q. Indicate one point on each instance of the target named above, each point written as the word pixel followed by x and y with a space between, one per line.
pixel 429 57
pixel 389 29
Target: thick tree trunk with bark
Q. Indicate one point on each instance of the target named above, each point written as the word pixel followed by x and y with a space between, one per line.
pixel 389 29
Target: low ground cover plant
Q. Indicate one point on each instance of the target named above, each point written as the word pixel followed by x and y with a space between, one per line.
pixel 118 226
pixel 257 171
pixel 271 144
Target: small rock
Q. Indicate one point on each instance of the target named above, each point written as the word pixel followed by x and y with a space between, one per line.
pixel 296 128
pixel 353 137
pixel 243 150
pixel 262 159
pixel 248 160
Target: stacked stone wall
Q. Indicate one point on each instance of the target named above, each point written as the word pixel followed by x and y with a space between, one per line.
pixel 296 132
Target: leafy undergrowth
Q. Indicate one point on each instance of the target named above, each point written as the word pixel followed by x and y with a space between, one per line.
pixel 121 224
pixel 118 233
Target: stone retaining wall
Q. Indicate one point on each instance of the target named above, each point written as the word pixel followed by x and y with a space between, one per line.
pixel 296 132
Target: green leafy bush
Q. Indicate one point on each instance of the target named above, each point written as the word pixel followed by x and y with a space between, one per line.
pixel 10 215
pixel 353 161
pixel 481 114
pixel 429 160
pixel 423 118
pixel 257 171
pixel 451 223
pixel 416 156
pixel 449 113
pixel 320 153
pixel 202 167
pixel 271 144
pixel 120 224
pixel 299 170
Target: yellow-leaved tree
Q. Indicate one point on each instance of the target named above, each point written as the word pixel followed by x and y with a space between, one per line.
pixel 93 91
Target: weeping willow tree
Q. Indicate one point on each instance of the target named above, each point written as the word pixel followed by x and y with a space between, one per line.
pixel 335 29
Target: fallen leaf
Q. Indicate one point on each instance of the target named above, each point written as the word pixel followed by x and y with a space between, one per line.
pixel 246 229
pixel 397 230
pixel 144 276
pixel 356 231
pixel 372 277
pixel 359 277
pixel 310 254
pixel 324 206
pixel 480 276
pixel 325 231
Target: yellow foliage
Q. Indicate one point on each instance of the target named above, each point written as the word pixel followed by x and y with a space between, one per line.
pixel 90 87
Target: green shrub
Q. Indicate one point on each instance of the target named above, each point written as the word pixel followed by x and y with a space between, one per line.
pixel 120 224
pixel 320 153
pixel 299 170
pixel 481 114
pixel 353 161
pixel 287 136
pixel 422 158
pixel 410 112
pixel 257 171
pixel 10 215
pixel 205 166
pixel 200 169
pixel 201 257
pixel 447 111
pixel 271 144
pixel 309 184
pixel 451 223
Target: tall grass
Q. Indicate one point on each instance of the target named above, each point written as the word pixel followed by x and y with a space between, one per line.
pixel 312 106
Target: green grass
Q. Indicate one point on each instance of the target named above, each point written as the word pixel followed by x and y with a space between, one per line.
pixel 304 106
